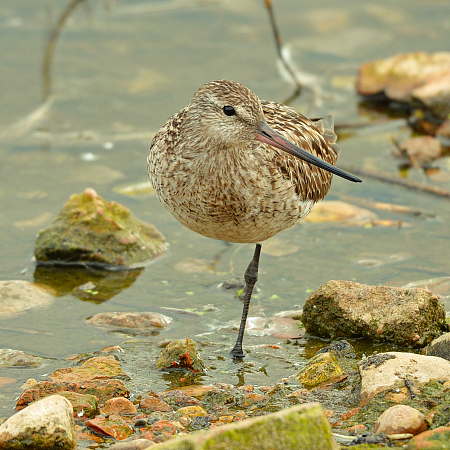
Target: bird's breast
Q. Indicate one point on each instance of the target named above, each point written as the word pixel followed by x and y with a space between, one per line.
pixel 235 196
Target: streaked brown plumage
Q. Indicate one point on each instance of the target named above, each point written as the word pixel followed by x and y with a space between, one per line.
pixel 214 170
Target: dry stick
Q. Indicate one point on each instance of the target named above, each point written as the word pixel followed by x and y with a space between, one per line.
pixel 277 37
pixel 50 48
pixel 387 178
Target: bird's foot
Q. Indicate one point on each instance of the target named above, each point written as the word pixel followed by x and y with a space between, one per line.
pixel 237 353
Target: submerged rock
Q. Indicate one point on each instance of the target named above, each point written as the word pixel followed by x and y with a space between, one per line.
pixel 20 295
pixel 421 149
pixel 89 230
pixel 181 353
pixel 17 358
pixel 45 424
pixel 299 427
pixel 407 317
pixel 131 320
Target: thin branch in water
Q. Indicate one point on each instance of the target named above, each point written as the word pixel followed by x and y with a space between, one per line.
pixel 388 178
pixel 278 45
pixel 50 47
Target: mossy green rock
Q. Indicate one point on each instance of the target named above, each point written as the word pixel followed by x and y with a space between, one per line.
pixel 301 427
pixel 321 368
pixel 89 230
pixel 181 354
pixel 404 316
pixel 437 439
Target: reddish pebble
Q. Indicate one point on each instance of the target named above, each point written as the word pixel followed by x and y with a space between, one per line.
pixel 154 404
pixel 119 405
pixel 400 419
pixel 349 414
pixel 356 428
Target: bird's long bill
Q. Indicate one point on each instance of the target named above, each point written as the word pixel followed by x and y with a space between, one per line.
pixel 269 136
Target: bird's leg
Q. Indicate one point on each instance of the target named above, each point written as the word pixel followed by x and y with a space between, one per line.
pixel 250 277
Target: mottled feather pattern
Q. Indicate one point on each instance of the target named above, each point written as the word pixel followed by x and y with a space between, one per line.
pixel 312 183
pixel 215 179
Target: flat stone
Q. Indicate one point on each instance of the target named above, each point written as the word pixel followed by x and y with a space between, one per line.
pixel 421 149
pixel 251 398
pixel 19 295
pixel 399 75
pixel 114 425
pixel 45 424
pixel 404 316
pixel 299 427
pixel 102 389
pixel 96 368
pixel 17 358
pixel 119 405
pixel 400 419
pixel 196 391
pixel 130 320
pixel 385 371
pixel 192 411
pixel 153 403
pixel 339 211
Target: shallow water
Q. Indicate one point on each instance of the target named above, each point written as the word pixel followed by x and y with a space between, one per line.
pixel 126 69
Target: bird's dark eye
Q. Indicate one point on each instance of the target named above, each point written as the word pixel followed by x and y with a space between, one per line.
pixel 229 111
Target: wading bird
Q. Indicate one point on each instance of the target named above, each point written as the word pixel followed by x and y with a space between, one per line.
pixel 233 167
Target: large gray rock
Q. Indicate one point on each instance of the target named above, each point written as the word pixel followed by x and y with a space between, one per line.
pixel 44 425
pixel 405 316
pixel 440 347
pixel 301 427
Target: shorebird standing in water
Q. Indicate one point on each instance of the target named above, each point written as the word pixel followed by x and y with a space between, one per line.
pixel 239 169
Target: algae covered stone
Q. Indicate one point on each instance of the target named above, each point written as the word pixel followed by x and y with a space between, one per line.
pixel 181 353
pixel 405 316
pixel 89 230
pixel 321 368
pixel 301 427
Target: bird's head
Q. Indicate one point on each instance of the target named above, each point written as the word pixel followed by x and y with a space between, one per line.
pixel 230 115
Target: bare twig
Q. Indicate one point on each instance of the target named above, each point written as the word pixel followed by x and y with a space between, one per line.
pixel 50 47
pixel 388 178
pixel 286 65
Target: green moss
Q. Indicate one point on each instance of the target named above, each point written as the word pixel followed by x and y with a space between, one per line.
pixel 299 427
